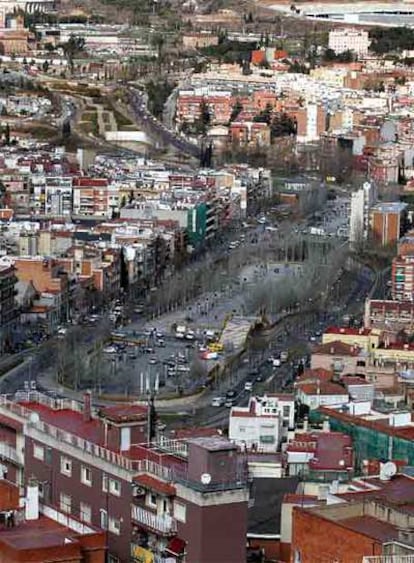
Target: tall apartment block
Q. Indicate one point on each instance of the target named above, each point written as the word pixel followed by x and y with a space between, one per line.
pixel 169 500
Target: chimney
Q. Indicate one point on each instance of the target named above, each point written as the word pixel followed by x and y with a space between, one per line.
pixel 87 411
pixel 305 424
pixel 326 427
pixel 31 508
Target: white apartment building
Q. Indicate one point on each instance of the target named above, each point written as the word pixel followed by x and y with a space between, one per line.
pixel 263 423
pixel 361 202
pixel 356 40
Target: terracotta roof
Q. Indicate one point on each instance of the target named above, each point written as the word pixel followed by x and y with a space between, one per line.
pixel 154 484
pixel 320 374
pixel 380 425
pixel 124 413
pixel 322 388
pixel 336 348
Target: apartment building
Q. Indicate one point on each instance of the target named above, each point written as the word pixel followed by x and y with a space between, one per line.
pixel 388 222
pixel 368 526
pixel 249 133
pixel 393 316
pixel 163 500
pixel 261 425
pixel 361 203
pixel 348 39
pixel 51 284
pixel 402 278
pixel 8 305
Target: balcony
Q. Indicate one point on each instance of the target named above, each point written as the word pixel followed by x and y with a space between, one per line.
pixel 388 559
pixel 165 525
pixel 9 453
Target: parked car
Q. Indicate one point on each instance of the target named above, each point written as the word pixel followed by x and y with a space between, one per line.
pixel 248 386
pixel 230 403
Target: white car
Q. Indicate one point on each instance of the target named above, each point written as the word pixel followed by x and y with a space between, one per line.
pixel 248 386
pixel 110 350
pixel 217 401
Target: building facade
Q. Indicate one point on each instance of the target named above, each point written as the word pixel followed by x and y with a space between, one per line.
pixel 163 501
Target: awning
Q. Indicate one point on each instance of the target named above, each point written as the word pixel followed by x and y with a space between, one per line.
pixel 176 547
pixel 153 484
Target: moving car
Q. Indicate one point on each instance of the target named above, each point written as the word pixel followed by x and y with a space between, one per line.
pixel 218 401
pixel 248 386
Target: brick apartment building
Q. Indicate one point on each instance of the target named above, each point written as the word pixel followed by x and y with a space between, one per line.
pixel 384 314
pixel 168 500
pixel 370 525
pixel 388 222
pixel 9 313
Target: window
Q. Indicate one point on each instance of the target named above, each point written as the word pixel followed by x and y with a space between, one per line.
pixel 65 502
pixel 152 499
pixel 85 512
pixel 86 476
pixel 104 519
pixel 267 439
pixel 38 452
pixel 115 487
pixel 115 526
pixel 66 466
pixel 286 411
pixel 180 511
pixel 41 490
pixel 105 482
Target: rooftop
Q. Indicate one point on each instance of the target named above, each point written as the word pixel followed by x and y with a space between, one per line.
pixel 348 331
pixel 124 413
pixel 390 207
pixel 43 534
pixel 372 527
pixel 264 515
pixel 373 419
pixel 333 450
pixel 336 348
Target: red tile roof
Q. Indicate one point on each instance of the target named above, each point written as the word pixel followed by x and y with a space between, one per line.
pixel 322 388
pixel 319 374
pixel 336 348
pixel 70 421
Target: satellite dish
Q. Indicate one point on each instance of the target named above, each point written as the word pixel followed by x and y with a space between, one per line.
pixel 34 418
pixel 206 478
pixel 388 470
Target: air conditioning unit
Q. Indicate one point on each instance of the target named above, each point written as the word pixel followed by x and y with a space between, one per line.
pixel 138 491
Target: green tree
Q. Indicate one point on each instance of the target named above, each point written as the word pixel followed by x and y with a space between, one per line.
pixel 72 48
pixel 237 109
